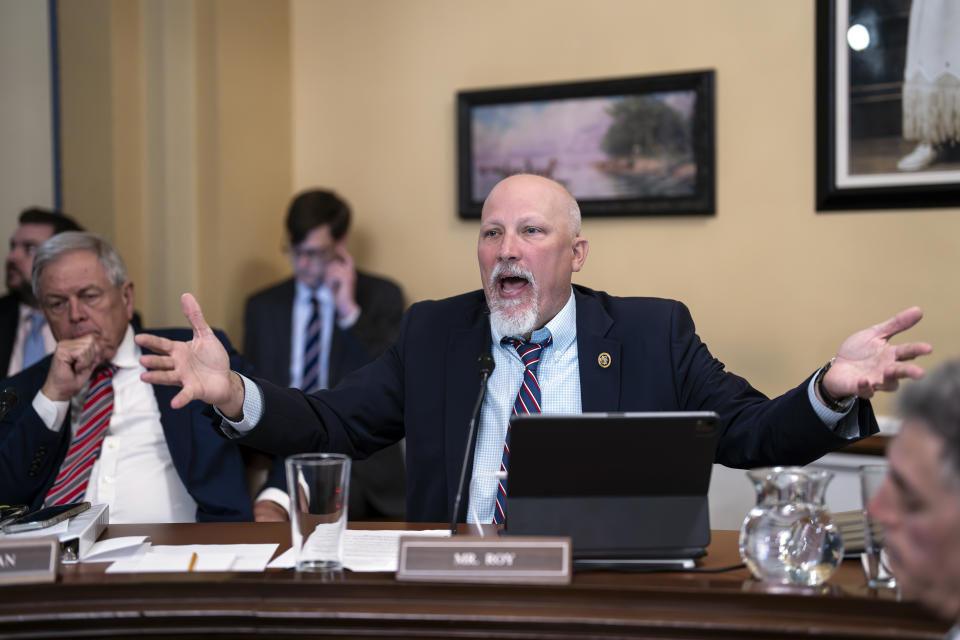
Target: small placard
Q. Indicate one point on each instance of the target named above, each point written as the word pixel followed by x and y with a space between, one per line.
pixel 29 560
pixel 520 559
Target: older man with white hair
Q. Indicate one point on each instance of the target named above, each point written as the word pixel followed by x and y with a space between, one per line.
pixel 88 428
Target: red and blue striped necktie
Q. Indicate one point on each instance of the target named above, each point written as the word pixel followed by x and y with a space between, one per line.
pixel 528 401
pixel 71 482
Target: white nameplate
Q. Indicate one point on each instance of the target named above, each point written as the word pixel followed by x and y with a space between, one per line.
pixel 518 559
pixel 28 560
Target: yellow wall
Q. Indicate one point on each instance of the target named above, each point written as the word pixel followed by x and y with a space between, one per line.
pixel 176 143
pixel 774 286
pixel 358 95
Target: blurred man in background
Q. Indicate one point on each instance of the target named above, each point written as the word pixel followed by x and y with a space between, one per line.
pixel 314 328
pixel 24 334
pixel 919 503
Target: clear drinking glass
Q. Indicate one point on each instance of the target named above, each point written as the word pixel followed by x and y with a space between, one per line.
pixel 318 484
pixel 789 537
pixel 874 559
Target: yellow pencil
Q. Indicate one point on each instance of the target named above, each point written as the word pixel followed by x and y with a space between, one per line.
pixel 193 561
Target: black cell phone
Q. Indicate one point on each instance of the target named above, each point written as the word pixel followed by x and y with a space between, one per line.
pixel 45 517
pixel 10 512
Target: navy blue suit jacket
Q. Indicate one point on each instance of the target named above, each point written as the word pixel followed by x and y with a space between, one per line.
pixel 425 385
pixel 377 483
pixel 9 318
pixel 268 318
pixel 210 467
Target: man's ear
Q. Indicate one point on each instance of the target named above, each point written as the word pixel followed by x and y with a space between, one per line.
pixel 580 248
pixel 126 293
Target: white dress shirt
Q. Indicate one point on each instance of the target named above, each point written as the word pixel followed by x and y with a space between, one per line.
pixel 302 309
pixel 24 325
pixel 134 473
pixel 559 376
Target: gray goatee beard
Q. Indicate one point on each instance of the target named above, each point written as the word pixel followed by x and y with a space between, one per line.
pixel 515 317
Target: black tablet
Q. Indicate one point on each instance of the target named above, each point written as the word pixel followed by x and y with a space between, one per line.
pixel 622 485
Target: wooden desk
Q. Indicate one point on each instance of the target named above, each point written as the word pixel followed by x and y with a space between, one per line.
pixel 366 605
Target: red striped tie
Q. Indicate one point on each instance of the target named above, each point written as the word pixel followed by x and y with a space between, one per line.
pixel 528 401
pixel 71 482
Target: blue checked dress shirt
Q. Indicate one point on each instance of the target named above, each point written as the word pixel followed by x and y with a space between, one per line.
pixel 559 377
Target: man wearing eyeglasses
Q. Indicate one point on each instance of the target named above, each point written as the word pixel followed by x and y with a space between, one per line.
pixel 314 328
pixel 24 334
pixel 87 428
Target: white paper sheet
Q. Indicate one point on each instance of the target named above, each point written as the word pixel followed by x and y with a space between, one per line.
pixel 210 557
pixel 157 562
pixel 114 549
pixel 366 550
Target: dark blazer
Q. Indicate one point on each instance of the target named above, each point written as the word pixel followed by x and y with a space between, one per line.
pixel 9 318
pixel 377 483
pixel 425 385
pixel 268 318
pixel 210 467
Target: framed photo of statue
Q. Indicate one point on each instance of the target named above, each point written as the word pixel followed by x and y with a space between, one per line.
pixel 623 147
pixel 888 104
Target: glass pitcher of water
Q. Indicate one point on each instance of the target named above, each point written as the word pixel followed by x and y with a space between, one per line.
pixel 789 537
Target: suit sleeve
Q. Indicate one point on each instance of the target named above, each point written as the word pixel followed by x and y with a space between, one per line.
pixel 755 431
pixel 9 317
pixel 251 331
pixel 361 415
pixel 29 452
pixel 277 476
pixel 381 314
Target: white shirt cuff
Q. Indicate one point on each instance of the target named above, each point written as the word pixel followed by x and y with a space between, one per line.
pixel 843 424
pixel 252 411
pixel 52 412
pixel 275 495
pixel 348 321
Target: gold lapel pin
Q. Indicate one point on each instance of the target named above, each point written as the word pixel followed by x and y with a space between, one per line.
pixel 604 360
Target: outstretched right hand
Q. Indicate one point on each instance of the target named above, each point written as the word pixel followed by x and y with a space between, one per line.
pixel 201 366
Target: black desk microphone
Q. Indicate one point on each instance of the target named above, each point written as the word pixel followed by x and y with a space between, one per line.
pixel 485 364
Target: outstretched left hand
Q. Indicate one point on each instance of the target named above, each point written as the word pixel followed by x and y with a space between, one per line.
pixel 867 362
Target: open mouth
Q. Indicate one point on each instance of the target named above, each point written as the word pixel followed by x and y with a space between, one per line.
pixel 511 286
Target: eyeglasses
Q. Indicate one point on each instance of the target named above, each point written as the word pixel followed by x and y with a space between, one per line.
pixel 314 254
pixel 59 305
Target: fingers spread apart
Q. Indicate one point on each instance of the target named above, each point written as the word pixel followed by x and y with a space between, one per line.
pixel 912 350
pixel 900 322
pixel 157 362
pixel 154 343
pixel 191 309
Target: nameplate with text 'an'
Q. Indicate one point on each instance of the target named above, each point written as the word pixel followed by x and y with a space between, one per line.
pixel 519 559
pixel 29 560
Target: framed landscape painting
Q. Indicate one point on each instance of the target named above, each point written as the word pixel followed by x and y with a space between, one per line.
pixel 627 146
